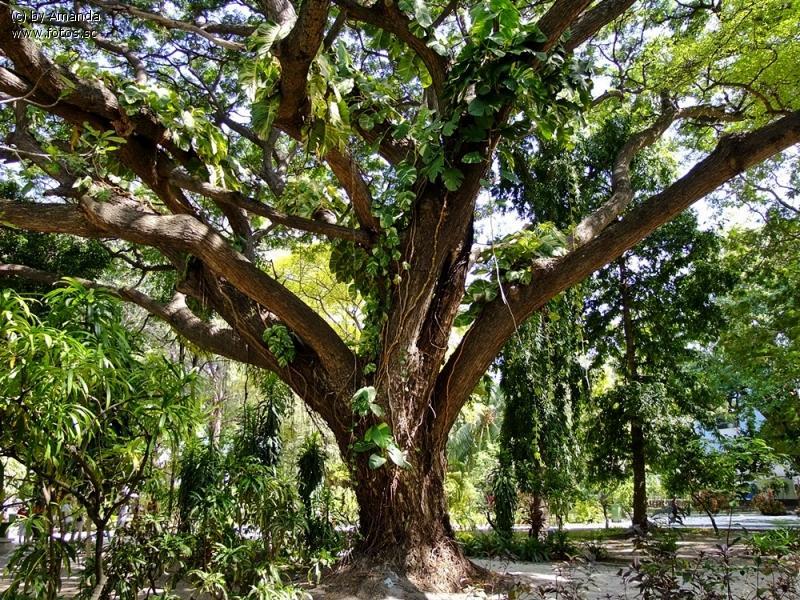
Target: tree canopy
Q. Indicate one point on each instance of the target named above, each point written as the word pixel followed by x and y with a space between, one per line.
pixel 195 139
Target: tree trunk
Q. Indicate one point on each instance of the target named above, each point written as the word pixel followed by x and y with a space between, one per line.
pixel 404 525
pixel 99 573
pixel 705 505
pixel 639 481
pixel 53 562
pixel 637 430
pixel 537 516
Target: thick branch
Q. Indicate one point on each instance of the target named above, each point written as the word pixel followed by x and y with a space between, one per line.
pixel 249 320
pixel 352 180
pixel 183 233
pixel 497 322
pixel 558 18
pixel 295 54
pixel 221 341
pixel 622 192
pixel 593 20
pixel 47 218
pixel 56 82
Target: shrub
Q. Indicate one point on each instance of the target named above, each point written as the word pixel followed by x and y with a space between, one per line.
pixel 555 546
pixel 709 501
pixel 768 505
pixel 778 543
pixel 586 511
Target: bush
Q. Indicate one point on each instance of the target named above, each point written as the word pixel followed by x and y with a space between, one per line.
pixel 768 505
pixel 556 546
pixel 586 511
pixel 712 502
pixel 777 543
pixel 141 554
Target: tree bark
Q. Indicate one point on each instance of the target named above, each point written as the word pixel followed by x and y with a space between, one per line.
pixel 404 524
pixel 53 562
pixel 99 573
pixel 537 516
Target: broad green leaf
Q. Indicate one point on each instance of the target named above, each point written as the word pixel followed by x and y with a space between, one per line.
pixel 452 179
pixel 376 461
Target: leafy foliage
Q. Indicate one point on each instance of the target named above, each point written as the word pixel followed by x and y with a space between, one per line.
pixel 544 386
pixel 90 405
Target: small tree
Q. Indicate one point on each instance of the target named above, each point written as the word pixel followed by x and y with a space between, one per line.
pixel 706 472
pixel 82 406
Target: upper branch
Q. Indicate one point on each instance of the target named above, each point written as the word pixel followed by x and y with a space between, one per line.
pixel 233 198
pixel 387 16
pixel 593 20
pixel 558 18
pixel 352 180
pixel 55 81
pixel 498 320
pixel 295 54
pixel 204 31
pixel 622 192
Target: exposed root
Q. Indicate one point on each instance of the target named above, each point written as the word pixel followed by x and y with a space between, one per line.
pixel 442 569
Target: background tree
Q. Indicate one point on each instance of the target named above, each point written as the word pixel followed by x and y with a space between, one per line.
pixel 211 134
pixel 649 314
pixel 48 252
pixel 545 386
pixel 755 362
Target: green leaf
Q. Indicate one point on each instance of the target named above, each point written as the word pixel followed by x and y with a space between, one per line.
pixel 379 434
pixel 363 399
pixel 365 122
pixel 363 446
pixel 188 119
pixel 452 179
pixel 375 461
pixel 472 157
pixel 478 107
pixel 266 35
pixel 398 457
pixel 280 343
pixel 419 9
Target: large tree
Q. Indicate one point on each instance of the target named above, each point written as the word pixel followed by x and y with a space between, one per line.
pixel 195 136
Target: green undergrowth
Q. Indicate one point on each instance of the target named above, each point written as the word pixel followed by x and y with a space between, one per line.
pixel 519 546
